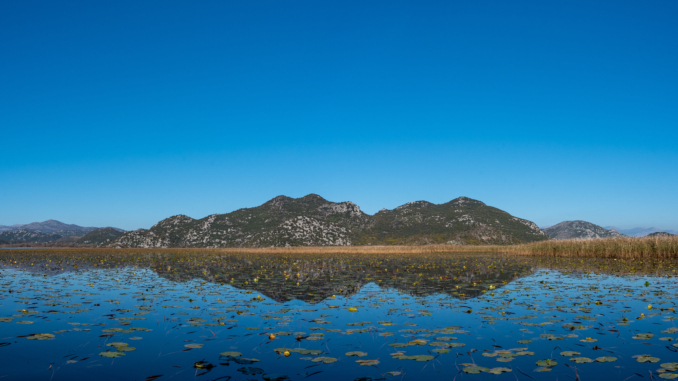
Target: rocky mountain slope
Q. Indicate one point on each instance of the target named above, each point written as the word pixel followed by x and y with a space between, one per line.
pixel 580 230
pixel 100 237
pixel 314 221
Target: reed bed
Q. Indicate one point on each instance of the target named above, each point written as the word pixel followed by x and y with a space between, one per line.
pixel 623 248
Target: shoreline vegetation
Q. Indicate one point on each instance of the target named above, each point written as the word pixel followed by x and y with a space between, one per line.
pixel 621 247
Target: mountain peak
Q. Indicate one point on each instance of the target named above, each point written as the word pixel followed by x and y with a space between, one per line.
pixel 466 200
pixel 313 196
pixel 415 204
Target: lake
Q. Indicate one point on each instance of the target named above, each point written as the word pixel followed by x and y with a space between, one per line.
pixel 183 315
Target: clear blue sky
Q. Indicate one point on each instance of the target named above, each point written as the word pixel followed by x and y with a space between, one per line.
pixel 122 113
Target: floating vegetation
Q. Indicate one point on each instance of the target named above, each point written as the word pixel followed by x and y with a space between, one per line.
pixel 40 336
pixel 334 316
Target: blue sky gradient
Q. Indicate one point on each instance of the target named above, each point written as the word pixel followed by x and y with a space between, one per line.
pixel 122 113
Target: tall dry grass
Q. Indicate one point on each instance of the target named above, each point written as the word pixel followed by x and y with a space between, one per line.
pixel 626 248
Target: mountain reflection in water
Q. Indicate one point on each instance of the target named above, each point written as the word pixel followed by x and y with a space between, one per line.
pixel 307 278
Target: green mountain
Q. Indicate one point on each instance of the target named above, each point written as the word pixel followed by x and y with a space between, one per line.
pixel 460 221
pixel 23 236
pixel 100 237
pixel 314 221
pixel 3 242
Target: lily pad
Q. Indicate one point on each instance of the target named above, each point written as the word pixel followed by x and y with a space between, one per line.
pixel 116 344
pixel 41 336
pixel 547 363
pixel 230 354
pixel 475 369
pixel 111 354
pixel 647 358
pixel 606 359
pixel 499 370
pixel 367 362
pixel 356 353
pixel 581 360
pixel 325 360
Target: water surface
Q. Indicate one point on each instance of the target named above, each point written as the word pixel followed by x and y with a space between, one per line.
pixel 439 317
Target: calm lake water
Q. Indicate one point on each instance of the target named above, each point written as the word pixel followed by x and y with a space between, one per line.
pixel 181 316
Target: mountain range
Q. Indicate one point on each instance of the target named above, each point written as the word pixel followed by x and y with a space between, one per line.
pixel 641 232
pixel 46 231
pixel 580 230
pixel 49 226
pixel 313 221
pixel 661 234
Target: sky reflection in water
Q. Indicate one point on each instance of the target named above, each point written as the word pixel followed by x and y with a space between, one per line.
pixel 173 316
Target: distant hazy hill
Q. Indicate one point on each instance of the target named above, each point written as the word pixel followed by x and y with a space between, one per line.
pixel 314 221
pixel 46 231
pixel 661 234
pixel 580 230
pixel 3 242
pixel 641 232
pixel 51 226
pixel 100 237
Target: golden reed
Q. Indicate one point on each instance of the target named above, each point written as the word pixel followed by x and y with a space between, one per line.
pixel 627 248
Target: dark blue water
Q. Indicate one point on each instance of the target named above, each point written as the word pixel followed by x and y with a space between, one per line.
pixel 159 328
